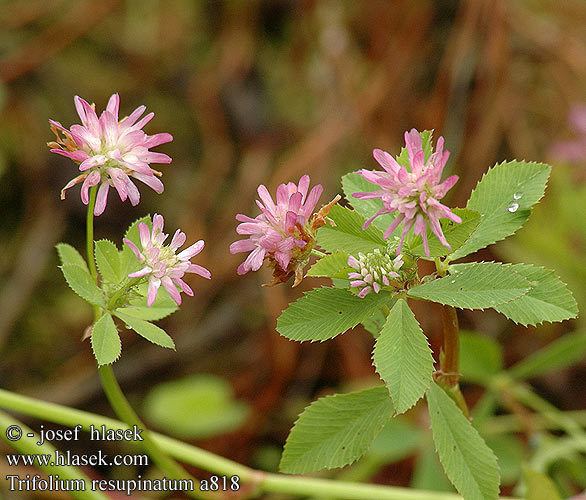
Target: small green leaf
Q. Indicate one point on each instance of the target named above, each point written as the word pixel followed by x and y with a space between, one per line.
pixel 335 431
pixel 355 183
pixel 474 286
pixel 403 358
pixel 563 352
pixel 456 234
pixel 331 266
pixel 195 407
pixel 469 463
pixel 105 341
pixel 548 299
pixel 82 284
pixel 481 358
pixel 70 256
pixel 504 198
pixel 539 486
pixel 108 262
pixel 348 235
pixel 325 312
pixel 147 330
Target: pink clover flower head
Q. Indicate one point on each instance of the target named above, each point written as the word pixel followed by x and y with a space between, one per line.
pixel 573 150
pixel 284 231
pixel 412 193
pixel 373 271
pixel 162 264
pixel 110 151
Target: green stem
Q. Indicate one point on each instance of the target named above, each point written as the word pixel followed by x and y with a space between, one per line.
pixel 28 446
pixel 259 482
pixel 126 413
pixel 115 396
pixel 89 240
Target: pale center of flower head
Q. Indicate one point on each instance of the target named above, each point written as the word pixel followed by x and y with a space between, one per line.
pixel 378 264
pixel 160 258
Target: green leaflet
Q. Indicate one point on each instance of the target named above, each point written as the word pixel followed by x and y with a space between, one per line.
pixel 456 234
pixel 325 312
pixel 147 330
pixel 348 235
pixel 548 299
pixel 334 265
pixel 108 262
pixel 474 286
pixel 82 284
pixel 563 352
pixel 403 358
pixel 335 431
pixel 468 462
pixel 105 340
pixel 504 197
pixel 70 256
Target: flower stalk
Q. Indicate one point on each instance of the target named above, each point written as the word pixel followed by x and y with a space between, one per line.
pixel 110 385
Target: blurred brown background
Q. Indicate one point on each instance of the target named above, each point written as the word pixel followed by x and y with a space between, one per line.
pixel 262 92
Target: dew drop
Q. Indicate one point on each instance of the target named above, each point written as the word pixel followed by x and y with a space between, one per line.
pixel 513 207
pixel 517 196
pixel 453 281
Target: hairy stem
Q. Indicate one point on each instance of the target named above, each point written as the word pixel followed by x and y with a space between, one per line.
pixel 28 446
pixel 113 392
pixel 257 481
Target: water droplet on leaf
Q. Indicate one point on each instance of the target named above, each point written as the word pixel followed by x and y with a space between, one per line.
pixel 513 207
pixel 517 196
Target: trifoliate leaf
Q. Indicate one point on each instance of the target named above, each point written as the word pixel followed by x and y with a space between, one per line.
pixel 403 358
pixel 468 462
pixel 456 234
pixel 474 286
pixel 82 284
pixel 548 299
pixel 147 330
pixel 335 431
pixel 504 198
pixel 108 262
pixel 323 313
pixel 348 235
pixel 334 265
pixel 70 256
pixel 105 340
